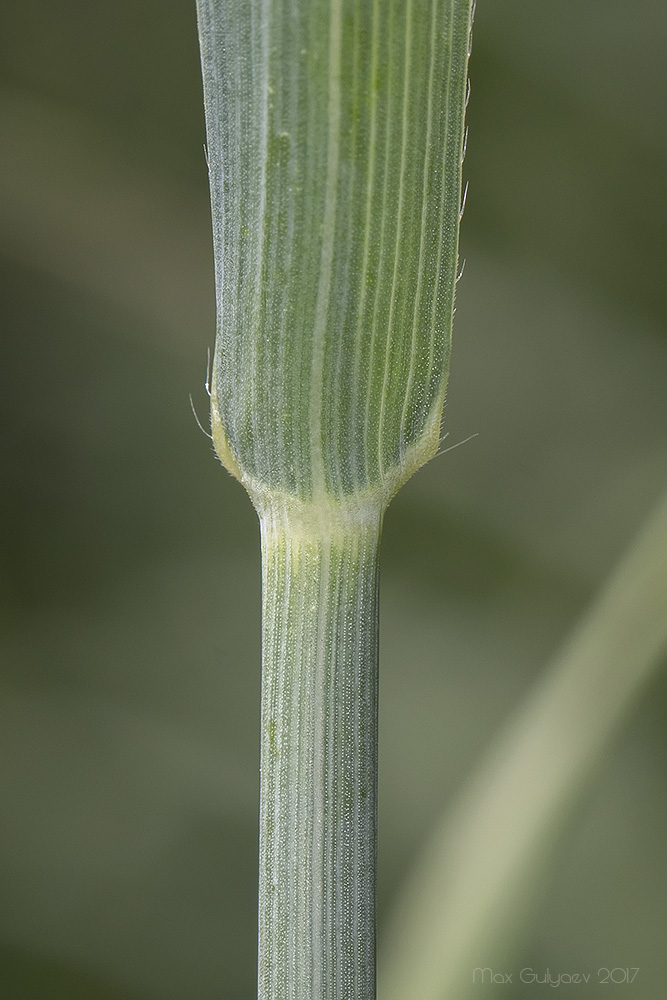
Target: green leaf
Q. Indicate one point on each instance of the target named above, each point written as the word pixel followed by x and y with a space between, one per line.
pixel 472 889
pixel 335 139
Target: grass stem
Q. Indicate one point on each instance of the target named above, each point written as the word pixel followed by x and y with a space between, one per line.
pixel 318 762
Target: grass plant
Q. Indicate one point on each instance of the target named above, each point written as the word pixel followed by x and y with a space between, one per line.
pixel 335 145
pixel 478 879
pixel 130 583
pixel 335 138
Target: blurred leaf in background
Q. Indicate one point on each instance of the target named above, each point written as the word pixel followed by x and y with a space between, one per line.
pixel 129 629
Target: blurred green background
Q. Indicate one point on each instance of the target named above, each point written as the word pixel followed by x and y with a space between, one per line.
pixel 129 630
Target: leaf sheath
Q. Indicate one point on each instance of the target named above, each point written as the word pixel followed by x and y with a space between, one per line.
pixel 335 138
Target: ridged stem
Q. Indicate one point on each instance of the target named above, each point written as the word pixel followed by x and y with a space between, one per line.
pixel 319 760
